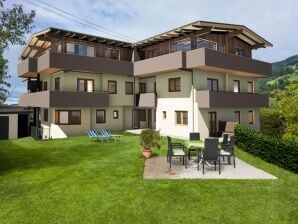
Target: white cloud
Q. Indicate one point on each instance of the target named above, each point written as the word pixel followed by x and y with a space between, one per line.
pixel 275 20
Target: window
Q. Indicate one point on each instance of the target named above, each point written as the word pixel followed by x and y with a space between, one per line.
pixel 68 117
pixel 100 116
pixel 112 53
pixel 237 116
pixel 85 85
pixel 45 115
pixel 84 50
pixel 250 87
pixel 57 84
pixel 212 84
pixel 142 87
pixel 183 45
pixel 206 44
pixel 236 86
pixel 174 85
pixel 115 114
pixel 250 117
pixel 239 52
pixel 142 114
pixel 181 117
pixel 112 87
pixel 164 115
pixel 212 123
pixel 45 86
pixel 221 47
pixel 129 88
pixel 152 53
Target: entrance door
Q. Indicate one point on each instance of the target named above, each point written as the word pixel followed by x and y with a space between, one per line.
pixel 150 118
pixel 23 125
pixel 212 124
pixel 4 127
pixel 136 122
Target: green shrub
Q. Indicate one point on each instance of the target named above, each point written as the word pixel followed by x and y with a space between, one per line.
pixel 281 152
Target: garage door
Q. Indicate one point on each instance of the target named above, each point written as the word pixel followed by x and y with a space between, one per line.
pixel 4 124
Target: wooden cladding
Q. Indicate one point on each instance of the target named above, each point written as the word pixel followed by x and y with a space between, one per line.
pixel 228 44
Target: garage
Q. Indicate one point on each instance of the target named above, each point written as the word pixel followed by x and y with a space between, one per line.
pixel 14 123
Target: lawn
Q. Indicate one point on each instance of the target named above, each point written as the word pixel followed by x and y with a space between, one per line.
pixel 77 181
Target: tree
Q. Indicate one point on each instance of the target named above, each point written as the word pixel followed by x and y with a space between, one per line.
pixel 15 23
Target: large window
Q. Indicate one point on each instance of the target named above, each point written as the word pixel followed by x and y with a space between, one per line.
pixel 236 86
pixel 100 116
pixel 142 114
pixel 85 85
pixel 174 85
pixel 45 85
pixel 181 117
pixel 112 87
pixel 237 116
pixel 68 117
pixel 84 50
pixel 112 53
pixel 250 87
pixel 200 43
pixel 251 117
pixel 206 44
pixel 142 87
pixel 45 115
pixel 212 84
pixel 129 88
pixel 183 45
pixel 57 84
pixel 152 53
pixel 239 52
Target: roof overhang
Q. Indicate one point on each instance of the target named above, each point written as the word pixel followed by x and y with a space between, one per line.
pixel 241 31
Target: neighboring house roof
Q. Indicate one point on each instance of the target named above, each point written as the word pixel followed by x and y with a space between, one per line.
pixel 16 110
pixel 40 41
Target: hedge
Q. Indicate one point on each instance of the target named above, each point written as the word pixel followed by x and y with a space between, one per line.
pixel 283 153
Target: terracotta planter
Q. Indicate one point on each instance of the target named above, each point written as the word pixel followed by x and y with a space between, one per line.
pixel 147 153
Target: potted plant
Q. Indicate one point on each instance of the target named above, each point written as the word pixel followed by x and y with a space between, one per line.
pixel 149 140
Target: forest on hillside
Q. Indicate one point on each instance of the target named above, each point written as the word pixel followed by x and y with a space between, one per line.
pixel 281 118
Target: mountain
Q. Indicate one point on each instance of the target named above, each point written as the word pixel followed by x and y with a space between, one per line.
pixel 283 73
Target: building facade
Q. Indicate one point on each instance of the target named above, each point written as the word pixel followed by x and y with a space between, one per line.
pixel 190 79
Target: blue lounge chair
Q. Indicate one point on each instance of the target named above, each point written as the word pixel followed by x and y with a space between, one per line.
pixel 94 135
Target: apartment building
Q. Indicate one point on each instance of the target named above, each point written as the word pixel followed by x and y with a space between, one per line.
pixel 190 79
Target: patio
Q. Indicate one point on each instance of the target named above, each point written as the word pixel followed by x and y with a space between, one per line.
pixel 158 168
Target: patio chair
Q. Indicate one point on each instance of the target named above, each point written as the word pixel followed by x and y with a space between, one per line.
pixel 113 136
pixel 229 151
pixel 193 136
pixel 211 153
pixel 94 135
pixel 176 150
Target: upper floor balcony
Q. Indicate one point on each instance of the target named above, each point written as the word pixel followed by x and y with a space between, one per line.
pixel 51 62
pixel 64 99
pixel 206 59
pixel 146 100
pixel 212 99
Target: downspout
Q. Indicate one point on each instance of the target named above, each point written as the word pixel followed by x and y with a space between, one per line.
pixel 193 102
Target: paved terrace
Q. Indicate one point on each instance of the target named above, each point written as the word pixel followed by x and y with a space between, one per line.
pixel 158 168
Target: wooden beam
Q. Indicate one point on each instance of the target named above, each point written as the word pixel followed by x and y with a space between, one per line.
pixel 102 41
pixel 256 46
pixel 33 47
pixel 203 31
pixel 82 37
pixel 92 39
pixel 165 37
pixel 72 35
pixel 234 33
pixel 111 42
pixel 67 34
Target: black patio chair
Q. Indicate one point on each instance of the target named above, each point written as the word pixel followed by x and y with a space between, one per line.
pixel 176 150
pixel 211 153
pixel 229 151
pixel 193 136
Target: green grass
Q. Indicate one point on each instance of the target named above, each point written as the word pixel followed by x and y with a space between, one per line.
pixel 77 181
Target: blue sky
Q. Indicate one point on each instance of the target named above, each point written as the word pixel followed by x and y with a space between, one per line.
pixel 275 20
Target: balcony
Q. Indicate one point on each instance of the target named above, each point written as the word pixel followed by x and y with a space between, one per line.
pixel 147 100
pixel 51 62
pixel 163 63
pixel 64 99
pixel 210 99
pixel 211 60
pixel 28 68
